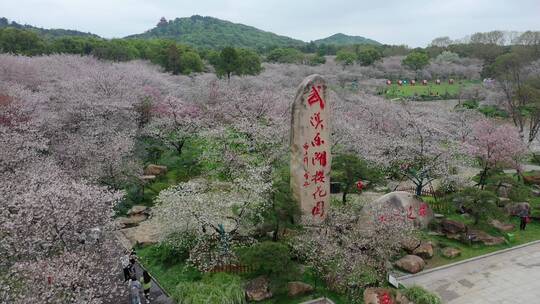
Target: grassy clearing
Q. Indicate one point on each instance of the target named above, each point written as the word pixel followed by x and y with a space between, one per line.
pixel 532 233
pixel 170 276
pixel 429 92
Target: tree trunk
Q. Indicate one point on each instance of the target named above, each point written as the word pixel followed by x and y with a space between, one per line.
pixel 345 192
pixel 483 178
pixel 275 237
pixel 419 188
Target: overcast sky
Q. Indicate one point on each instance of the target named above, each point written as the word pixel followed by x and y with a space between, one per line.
pixel 410 22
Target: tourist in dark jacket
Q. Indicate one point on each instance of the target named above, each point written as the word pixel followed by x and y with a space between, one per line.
pixel 524 216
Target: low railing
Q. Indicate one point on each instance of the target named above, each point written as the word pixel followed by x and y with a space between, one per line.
pixel 425 192
pixel 231 268
pixel 438 205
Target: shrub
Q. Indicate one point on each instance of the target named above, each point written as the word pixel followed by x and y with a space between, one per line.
pixel 519 193
pixel 219 288
pixel 492 111
pixel 419 295
pixel 470 104
pixel 315 59
pixel 175 248
pixel 285 55
pixel 480 204
pixel 269 258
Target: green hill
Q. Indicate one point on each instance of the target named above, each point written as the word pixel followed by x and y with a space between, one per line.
pixel 209 32
pixel 342 39
pixel 45 33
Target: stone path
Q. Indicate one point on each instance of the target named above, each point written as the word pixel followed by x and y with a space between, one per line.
pixel 511 276
pixel 157 295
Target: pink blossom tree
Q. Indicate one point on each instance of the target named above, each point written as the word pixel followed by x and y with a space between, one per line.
pixel 494 146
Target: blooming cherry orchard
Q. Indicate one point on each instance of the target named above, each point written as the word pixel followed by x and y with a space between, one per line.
pixel 74 132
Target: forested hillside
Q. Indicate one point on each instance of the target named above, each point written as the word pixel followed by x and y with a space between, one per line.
pixel 209 32
pixel 45 33
pixel 342 39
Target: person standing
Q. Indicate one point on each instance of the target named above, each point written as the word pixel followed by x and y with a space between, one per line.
pixel 135 290
pixel 524 216
pixel 146 285
pixel 124 260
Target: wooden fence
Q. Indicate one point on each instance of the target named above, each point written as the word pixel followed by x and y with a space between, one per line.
pixel 227 264
pixel 231 268
pixel 425 192
pixel 438 206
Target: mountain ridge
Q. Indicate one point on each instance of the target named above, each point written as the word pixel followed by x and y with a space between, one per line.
pixel 343 39
pixel 47 33
pixel 204 32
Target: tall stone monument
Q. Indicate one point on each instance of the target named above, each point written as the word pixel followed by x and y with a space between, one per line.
pixel 310 149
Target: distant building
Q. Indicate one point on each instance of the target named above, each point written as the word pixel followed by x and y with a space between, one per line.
pixel 162 22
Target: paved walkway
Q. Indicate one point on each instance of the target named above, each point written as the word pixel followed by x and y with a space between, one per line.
pixel 157 295
pixel 509 277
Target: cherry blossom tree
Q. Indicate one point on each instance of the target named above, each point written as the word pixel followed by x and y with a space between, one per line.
pixel 213 207
pixel 495 145
pixel 350 250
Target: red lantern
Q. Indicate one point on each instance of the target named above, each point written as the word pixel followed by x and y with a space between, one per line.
pixel 389 82
pixel 359 185
pixel 413 82
pixel 424 82
pixel 399 82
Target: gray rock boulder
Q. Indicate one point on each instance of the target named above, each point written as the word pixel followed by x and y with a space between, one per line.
pixel 298 288
pixel 131 221
pixel 502 226
pixel 138 209
pixel 452 227
pixel 155 170
pixel 258 289
pixel 410 245
pixel 376 295
pixel 487 239
pixel 425 250
pixel 408 204
pixel 411 263
pixel 450 252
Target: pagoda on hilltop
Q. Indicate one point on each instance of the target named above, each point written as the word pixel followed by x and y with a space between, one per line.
pixel 162 22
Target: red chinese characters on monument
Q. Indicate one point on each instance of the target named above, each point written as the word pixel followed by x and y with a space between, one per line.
pixel 318 156
pixel 311 157
pixel 316 121
pixel 318 210
pixel 422 212
pixel 315 97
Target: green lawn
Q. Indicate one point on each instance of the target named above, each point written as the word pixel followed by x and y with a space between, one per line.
pixel 429 92
pixel 169 276
pixel 532 233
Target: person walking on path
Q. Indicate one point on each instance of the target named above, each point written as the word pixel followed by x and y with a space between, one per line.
pixel 135 290
pixel 124 260
pixel 146 281
pixel 132 261
pixel 524 216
